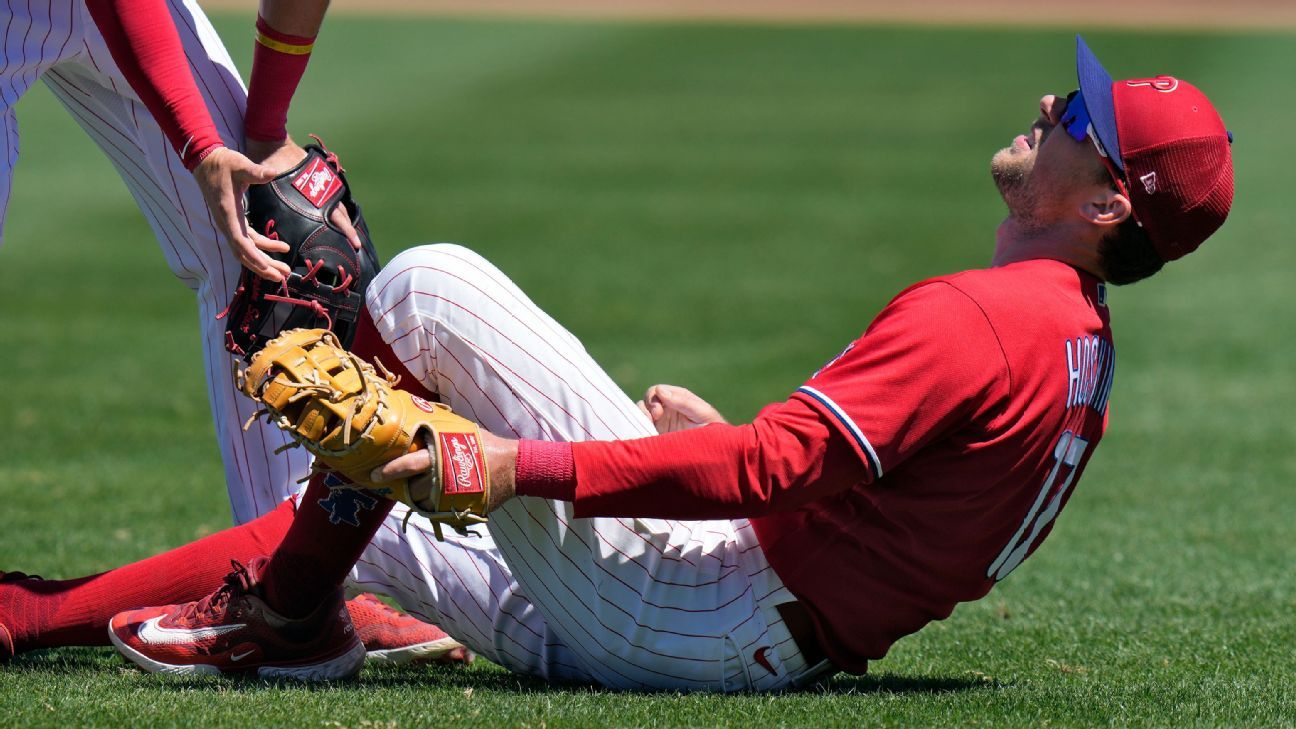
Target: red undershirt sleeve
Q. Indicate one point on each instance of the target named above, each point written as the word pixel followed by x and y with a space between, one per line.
pixel 146 47
pixel 787 457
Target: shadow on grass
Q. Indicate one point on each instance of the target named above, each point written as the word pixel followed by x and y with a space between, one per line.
pixel 65 660
pixel 502 682
pixel 844 683
pixel 484 677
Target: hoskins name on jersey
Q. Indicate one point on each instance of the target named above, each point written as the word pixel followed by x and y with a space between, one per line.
pixel 1090 366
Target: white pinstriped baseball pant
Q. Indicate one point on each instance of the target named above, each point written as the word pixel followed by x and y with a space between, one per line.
pixel 627 603
pixel 57 42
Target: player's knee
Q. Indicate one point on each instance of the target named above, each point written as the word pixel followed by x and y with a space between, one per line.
pixel 439 256
pixel 442 268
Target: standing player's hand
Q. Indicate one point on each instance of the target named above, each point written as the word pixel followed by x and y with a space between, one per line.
pixel 285 155
pixel 673 408
pixel 223 176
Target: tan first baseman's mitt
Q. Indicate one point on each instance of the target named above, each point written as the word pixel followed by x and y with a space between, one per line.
pixel 353 419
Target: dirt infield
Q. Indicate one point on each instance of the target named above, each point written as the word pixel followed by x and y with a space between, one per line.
pixel 1145 14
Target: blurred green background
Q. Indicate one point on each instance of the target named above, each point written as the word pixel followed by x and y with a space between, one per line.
pixel 722 207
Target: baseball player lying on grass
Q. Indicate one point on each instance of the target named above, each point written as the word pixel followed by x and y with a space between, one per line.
pixel 919 467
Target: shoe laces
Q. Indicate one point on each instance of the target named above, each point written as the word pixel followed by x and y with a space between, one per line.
pixel 237 583
pixel 384 610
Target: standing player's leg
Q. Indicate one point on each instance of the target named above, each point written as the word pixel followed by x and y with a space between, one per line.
pixel 89 84
pixel 8 158
pixel 32 39
pixel 625 602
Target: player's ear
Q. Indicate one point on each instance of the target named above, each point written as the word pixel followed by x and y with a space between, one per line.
pixel 1105 207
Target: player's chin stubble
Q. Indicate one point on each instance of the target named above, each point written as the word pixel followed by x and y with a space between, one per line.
pixel 1011 171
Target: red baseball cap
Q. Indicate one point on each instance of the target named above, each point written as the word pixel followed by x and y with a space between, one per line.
pixel 1170 144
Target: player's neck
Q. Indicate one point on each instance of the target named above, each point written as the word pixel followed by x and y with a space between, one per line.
pixel 1068 243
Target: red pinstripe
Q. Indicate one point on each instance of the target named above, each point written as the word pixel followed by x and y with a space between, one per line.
pixel 68 39
pixel 183 14
pixel 12 86
pixel 598 565
pixel 557 352
pixel 23 45
pixel 486 394
pixel 631 560
pixel 482 351
pixel 49 27
pixel 137 182
pixel 552 335
pixel 424 574
pixel 582 627
pixel 145 176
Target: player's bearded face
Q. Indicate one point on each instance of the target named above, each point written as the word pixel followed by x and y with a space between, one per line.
pixel 1023 182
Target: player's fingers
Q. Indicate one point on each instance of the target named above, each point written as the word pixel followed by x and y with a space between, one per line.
pixel 410 464
pixel 235 229
pixel 643 409
pixel 259 263
pixel 268 244
pixel 256 261
pixel 675 395
pixel 342 221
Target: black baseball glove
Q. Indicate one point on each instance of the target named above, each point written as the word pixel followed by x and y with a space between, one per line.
pixel 326 287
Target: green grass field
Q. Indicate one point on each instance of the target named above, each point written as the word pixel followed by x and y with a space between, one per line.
pixel 724 208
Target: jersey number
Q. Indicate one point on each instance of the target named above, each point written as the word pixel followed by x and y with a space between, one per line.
pixel 1067 453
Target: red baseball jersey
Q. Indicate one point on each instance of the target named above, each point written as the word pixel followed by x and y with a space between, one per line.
pixel 975 401
pixel 909 474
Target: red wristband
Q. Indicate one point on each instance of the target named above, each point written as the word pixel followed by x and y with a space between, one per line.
pixel 194 153
pixel 278 63
pixel 546 470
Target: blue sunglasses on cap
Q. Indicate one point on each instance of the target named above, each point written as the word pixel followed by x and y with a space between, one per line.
pixel 1077 123
pixel 1075 120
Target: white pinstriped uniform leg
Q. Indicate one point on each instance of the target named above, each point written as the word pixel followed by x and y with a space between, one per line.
pixel 55 40
pixel 631 603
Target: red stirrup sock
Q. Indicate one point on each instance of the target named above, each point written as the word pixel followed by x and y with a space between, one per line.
pixel 332 527
pixel 53 613
pixel 278 64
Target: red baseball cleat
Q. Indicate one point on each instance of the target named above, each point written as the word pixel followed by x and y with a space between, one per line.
pixel 233 631
pixel 393 637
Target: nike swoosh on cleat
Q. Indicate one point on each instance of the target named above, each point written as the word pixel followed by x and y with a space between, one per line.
pixel 150 632
pixel 235 658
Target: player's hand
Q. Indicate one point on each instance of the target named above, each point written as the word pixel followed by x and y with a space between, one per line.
pixel 223 176
pixel 285 155
pixel 501 461
pixel 673 408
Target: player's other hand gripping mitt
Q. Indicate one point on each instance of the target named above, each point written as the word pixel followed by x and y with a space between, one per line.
pixel 351 417
pixel 328 279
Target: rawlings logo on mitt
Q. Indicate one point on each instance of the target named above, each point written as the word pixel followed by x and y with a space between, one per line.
pixel 328 279
pixel 353 419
